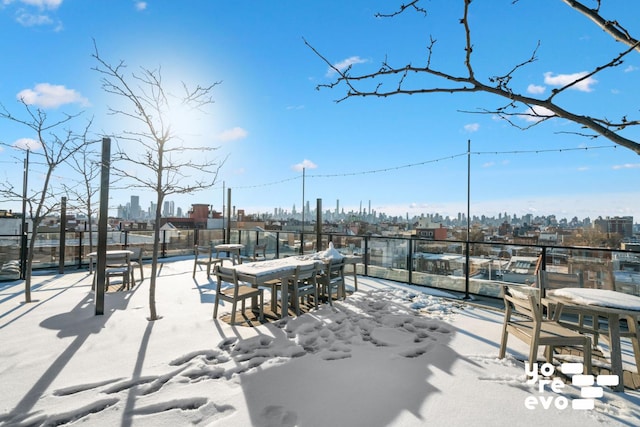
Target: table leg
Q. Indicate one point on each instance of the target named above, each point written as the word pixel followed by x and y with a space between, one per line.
pixel 355 277
pixel 616 351
pixel 285 298
pixel 632 322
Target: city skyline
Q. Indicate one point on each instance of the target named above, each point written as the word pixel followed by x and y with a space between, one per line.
pixel 279 212
pixel 407 155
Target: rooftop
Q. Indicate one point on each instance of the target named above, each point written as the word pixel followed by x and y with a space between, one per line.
pixel 390 354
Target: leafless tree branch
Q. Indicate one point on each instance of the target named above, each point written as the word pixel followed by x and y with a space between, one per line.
pixel 155 157
pixel 374 84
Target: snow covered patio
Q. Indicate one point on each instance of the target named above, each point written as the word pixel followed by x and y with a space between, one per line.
pixel 390 355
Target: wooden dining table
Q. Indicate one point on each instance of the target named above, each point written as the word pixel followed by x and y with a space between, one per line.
pixel 231 249
pixel 612 306
pixel 258 273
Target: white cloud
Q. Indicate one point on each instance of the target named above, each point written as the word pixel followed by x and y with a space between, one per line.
pixel 565 79
pixel 29 20
pixel 536 113
pixel 536 89
pixel 627 166
pixel 488 164
pixel 472 127
pixel 305 164
pixel 27 144
pixel 232 134
pixel 141 5
pixel 51 96
pixel 345 63
pixel 43 4
pixel 630 68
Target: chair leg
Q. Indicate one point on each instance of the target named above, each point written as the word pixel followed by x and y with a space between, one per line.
pixel 215 308
pixel 587 356
pixel 233 312
pixel 503 343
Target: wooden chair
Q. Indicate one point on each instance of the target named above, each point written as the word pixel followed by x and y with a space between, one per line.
pixel 118 266
pixel 523 319
pixel 259 252
pixel 204 256
pixel 136 263
pixel 238 292
pixel 332 278
pixel 303 283
pixel 547 281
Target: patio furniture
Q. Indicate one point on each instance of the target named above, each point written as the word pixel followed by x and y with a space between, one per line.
pixel 611 305
pixel 353 260
pixel 119 265
pixel 204 256
pixel 523 319
pixel 553 280
pixel 273 272
pixel 136 262
pixel 332 278
pixel 259 252
pixel 303 283
pixel 232 251
pixel 237 292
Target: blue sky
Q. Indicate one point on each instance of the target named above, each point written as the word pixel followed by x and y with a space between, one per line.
pixel 403 154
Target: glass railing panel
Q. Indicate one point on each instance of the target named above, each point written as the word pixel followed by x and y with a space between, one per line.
pixel 9 257
pixel 387 258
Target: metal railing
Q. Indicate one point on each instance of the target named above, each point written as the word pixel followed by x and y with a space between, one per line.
pixel 433 263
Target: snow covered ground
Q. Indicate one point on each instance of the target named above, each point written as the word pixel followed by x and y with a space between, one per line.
pixel 390 355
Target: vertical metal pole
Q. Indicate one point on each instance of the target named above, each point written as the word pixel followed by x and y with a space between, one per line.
pixel 302 229
pixel 228 236
pixel 102 225
pixel 62 247
pixel 318 225
pixel 23 240
pixel 466 279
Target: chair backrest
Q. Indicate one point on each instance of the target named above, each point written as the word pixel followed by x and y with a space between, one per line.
pixel 203 250
pixel 305 271
pixel 117 260
pixel 225 274
pixel 553 280
pixel 336 270
pixel 524 300
pixel 137 254
pixel 260 250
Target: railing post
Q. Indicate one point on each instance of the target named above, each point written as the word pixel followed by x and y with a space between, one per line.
pixel 365 257
pixel 80 234
pixel 466 273
pixel 410 261
pixel 302 242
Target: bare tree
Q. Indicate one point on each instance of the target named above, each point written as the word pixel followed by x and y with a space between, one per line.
pixel 86 162
pixel 53 147
pixel 389 80
pixel 155 147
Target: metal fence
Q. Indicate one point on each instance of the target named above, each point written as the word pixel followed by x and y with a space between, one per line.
pixel 470 267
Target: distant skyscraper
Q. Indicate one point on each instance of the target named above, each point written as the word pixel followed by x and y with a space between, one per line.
pixel 168 209
pixel 135 211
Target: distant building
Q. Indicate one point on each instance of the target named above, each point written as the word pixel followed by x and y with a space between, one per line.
pixel 619 225
pixel 435 232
